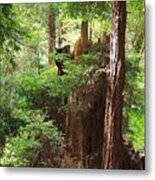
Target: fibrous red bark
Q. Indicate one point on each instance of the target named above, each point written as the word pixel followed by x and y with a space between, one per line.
pixel 112 148
pixel 84 34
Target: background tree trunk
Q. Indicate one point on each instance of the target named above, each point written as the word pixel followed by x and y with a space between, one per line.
pixel 60 33
pixel 113 148
pixel 84 34
pixel 90 42
pixel 81 44
pixel 51 28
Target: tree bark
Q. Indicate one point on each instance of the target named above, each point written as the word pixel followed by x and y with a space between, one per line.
pixel 84 34
pixel 81 44
pixel 73 155
pixel 60 33
pixel 112 147
pixel 90 41
pixel 51 28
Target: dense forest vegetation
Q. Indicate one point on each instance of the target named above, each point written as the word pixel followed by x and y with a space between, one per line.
pixel 72 85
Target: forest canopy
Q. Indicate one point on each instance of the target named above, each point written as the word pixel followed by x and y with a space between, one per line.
pixel 63 68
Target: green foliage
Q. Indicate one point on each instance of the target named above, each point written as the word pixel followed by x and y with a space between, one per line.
pixel 134 80
pixel 134 86
pixel 135 131
pixel 19 94
pixel 23 91
pixel 24 149
pixel 11 30
pixel 9 125
pixel 87 10
pixel 6 22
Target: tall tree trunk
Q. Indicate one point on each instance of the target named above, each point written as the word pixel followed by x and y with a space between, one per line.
pixel 74 123
pixel 60 33
pixel 74 135
pixel 81 44
pixel 113 148
pixel 84 34
pixel 51 28
pixel 90 42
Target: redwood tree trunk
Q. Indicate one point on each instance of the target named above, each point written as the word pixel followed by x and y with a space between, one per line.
pixel 81 44
pixel 74 123
pixel 51 28
pixel 84 34
pixel 113 148
pixel 73 155
pixel 60 33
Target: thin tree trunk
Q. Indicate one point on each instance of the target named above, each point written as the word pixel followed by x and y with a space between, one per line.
pixel 51 28
pixel 84 34
pixel 113 148
pixel 81 44
pixel 90 42
pixel 60 33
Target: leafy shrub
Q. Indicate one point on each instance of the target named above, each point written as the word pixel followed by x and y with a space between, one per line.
pixel 31 143
pixel 135 129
